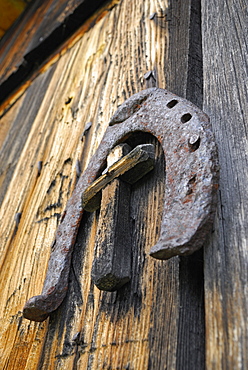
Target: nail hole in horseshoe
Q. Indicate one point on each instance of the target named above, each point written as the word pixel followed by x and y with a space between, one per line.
pixel 194 143
pixel 186 118
pixel 172 103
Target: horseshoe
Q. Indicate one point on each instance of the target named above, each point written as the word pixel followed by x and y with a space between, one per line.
pixel 191 183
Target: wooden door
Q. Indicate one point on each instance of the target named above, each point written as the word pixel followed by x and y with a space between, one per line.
pixel 74 67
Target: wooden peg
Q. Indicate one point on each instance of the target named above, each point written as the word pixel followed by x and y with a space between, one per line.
pixel 112 265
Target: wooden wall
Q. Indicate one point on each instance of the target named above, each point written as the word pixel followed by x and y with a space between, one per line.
pixel 158 320
pixel 226 259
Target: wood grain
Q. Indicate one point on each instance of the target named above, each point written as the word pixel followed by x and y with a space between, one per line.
pixel 156 321
pixel 38 33
pixel 184 77
pixel 226 260
pixel 92 74
pixel 111 268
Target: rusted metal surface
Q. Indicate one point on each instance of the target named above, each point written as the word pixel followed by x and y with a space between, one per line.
pixel 191 182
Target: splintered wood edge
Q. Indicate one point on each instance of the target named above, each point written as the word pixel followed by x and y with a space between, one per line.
pixel 143 155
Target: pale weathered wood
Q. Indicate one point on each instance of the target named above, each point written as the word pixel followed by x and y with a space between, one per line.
pixel 93 75
pixel 131 168
pixel 156 321
pixel 226 259
pixel 19 121
pixel 111 268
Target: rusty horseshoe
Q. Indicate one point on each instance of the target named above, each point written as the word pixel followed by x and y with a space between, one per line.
pixel 185 135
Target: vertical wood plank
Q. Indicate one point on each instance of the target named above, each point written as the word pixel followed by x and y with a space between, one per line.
pixel 225 50
pixel 185 78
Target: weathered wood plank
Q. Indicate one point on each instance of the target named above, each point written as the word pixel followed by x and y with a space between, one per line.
pixel 226 261
pixel 148 323
pixel 41 29
pixel 184 77
pixel 111 268
pixel 58 125
pixel 184 72
pixel 18 122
